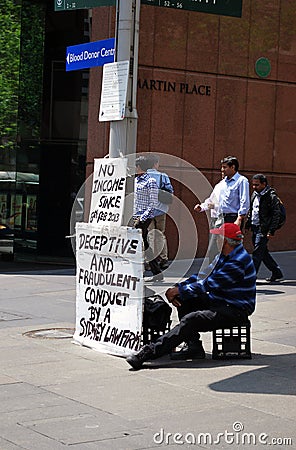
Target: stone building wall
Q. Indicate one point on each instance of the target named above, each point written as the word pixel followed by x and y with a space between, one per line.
pixel 200 98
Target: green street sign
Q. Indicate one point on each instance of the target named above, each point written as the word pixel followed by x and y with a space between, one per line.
pixel 221 7
pixel 68 5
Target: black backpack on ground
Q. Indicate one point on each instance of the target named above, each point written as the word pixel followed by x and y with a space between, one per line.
pixel 157 313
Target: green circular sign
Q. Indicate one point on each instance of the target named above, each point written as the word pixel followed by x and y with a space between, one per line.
pixel 263 67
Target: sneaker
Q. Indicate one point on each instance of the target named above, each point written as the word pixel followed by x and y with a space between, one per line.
pixel 189 351
pixel 157 277
pixel 275 277
pixel 164 264
pixel 137 360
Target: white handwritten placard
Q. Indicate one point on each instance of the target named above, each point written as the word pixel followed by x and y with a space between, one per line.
pixel 109 288
pixel 108 191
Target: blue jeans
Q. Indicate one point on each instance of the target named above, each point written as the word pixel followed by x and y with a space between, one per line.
pixel 261 252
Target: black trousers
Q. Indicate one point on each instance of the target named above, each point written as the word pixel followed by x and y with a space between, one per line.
pixel 154 265
pixel 198 314
pixel 261 252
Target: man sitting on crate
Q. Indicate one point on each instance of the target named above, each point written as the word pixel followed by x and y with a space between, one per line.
pixel 222 298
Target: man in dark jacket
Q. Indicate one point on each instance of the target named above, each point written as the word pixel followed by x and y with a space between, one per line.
pixel 263 219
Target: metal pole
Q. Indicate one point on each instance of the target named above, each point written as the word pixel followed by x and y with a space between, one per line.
pixel 123 133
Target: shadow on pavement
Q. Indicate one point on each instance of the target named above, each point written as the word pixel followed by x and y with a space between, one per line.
pixel 274 376
pixel 269 292
pixel 27 268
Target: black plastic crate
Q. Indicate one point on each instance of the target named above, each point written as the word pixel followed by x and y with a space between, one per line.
pixel 232 342
pixel 151 334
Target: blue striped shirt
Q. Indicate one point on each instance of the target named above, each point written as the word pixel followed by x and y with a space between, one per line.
pixel 230 279
pixel 146 197
pixel 234 195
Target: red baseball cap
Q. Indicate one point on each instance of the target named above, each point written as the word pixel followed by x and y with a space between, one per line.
pixel 229 230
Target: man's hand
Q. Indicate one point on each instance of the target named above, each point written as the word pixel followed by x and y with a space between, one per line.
pixel 172 294
pixel 239 221
pixel 137 222
pixel 197 208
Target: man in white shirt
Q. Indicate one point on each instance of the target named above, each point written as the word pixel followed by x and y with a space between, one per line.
pixel 212 204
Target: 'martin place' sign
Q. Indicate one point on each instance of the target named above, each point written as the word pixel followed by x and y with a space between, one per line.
pixel 173 86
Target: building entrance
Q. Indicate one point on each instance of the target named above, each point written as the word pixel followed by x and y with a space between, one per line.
pixel 42 159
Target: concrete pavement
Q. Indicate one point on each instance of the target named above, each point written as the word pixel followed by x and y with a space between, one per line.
pixel 57 395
